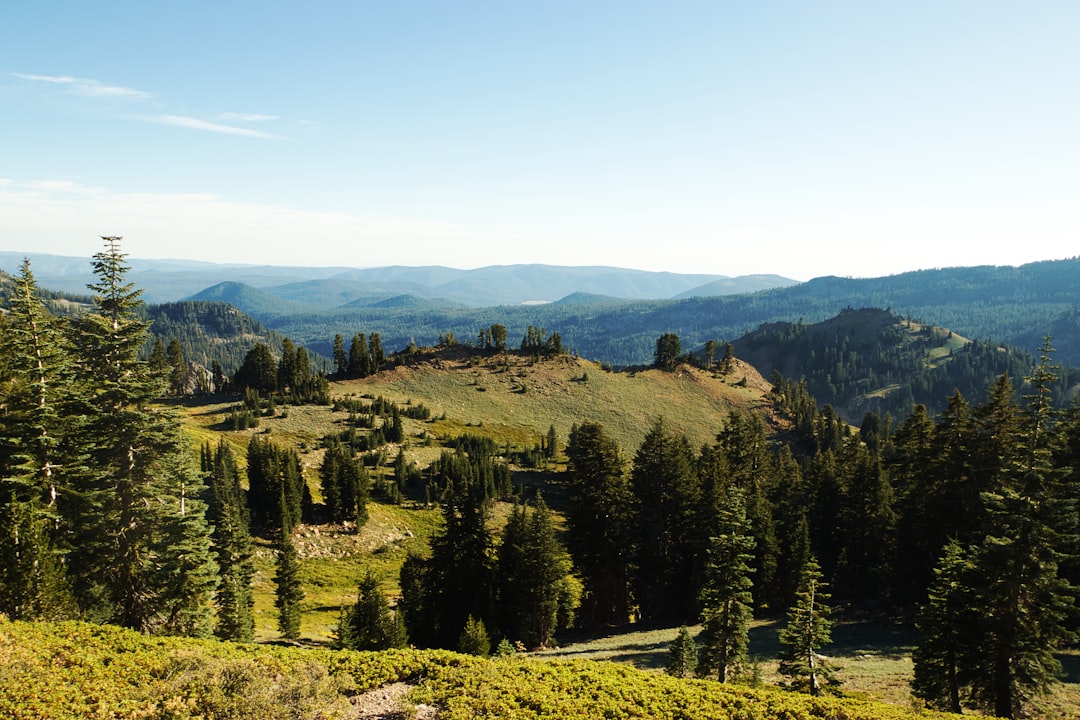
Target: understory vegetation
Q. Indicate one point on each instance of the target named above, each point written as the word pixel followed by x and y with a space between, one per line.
pixel 72 671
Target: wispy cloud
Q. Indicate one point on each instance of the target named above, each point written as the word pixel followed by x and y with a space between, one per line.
pixel 246 117
pixel 86 86
pixel 196 124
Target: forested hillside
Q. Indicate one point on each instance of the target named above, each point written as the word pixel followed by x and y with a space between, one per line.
pixel 1015 306
pixel 875 361
pixel 539 519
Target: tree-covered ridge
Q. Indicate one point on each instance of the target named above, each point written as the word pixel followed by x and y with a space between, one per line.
pixel 1014 306
pixel 210 332
pixel 872 360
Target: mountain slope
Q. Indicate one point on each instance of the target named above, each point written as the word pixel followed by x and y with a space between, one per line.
pixel 873 360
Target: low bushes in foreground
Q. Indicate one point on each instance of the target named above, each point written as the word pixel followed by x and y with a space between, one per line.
pixel 71 671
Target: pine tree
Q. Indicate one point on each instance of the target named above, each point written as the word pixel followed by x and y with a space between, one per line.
pixel 864 573
pixel 359 358
pixel 1031 527
pixel 682 655
pixel 228 515
pixel 741 459
pixel 668 495
pixel 140 553
pixel 600 512
pixel 341 359
pixel 34 450
pixel 551 444
pixel 536 596
pixel 178 370
pixel 290 592
pixel 726 600
pixel 344 484
pixel 668 351
pixel 949 624
pixel 375 353
pixel 474 638
pixel 807 631
pixel 370 624
pixel 458 581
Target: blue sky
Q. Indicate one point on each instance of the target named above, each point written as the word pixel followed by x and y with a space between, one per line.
pixel 797 138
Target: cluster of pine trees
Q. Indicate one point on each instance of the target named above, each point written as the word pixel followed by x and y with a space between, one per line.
pixel 101 514
pixel 291 378
pixel 364 357
pixel 472 589
pixel 967 521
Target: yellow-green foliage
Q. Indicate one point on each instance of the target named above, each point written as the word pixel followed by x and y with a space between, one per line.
pixel 70 671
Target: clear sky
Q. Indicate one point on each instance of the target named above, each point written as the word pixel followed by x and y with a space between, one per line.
pixel 810 138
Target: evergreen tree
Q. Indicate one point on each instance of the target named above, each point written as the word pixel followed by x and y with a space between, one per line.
pixel 34 444
pixel 741 459
pixel 949 624
pixel 341 358
pixel 33 585
pixel 277 492
pixel 474 638
pixel 726 600
pixel 344 484
pixel 370 624
pixel 535 593
pixel 727 363
pixel 228 515
pixel 668 351
pixel 864 572
pixel 551 444
pixel 807 631
pixel 417 605
pixel 290 592
pixel 600 511
pixel 377 357
pixel 682 655
pixel 359 357
pixel 668 494
pixel 178 370
pixel 458 581
pixel 1031 528
pixel 140 549
pixel 258 371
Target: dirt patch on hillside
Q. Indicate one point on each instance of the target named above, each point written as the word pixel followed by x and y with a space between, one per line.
pixel 390 702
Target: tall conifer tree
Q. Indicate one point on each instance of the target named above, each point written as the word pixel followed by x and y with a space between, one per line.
pixel 600 517
pixel 808 630
pixel 141 552
pixel 668 495
pixel 726 599
pixel 34 450
pixel 228 515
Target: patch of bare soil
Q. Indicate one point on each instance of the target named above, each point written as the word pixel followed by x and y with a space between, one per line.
pixel 389 703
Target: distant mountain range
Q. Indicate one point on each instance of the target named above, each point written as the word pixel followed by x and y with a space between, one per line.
pixel 319 288
pixel 602 313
